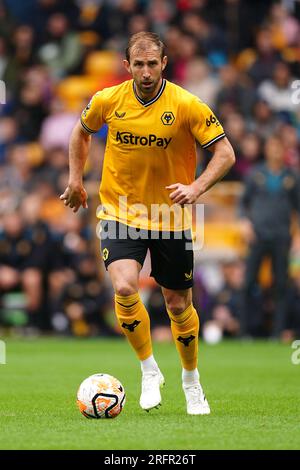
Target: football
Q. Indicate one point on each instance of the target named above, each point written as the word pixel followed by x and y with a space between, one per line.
pixel 101 396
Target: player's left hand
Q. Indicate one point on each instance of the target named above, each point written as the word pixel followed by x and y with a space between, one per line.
pixel 183 194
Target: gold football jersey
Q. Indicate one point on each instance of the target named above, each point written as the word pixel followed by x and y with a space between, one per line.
pixel 150 145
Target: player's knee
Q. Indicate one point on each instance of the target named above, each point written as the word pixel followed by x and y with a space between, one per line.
pixel 176 305
pixel 125 289
pixel 177 301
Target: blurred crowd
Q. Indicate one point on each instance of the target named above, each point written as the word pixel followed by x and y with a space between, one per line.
pixel 242 58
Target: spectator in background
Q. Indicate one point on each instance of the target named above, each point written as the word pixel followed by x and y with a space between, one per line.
pixel 263 121
pixel 43 9
pixel 30 112
pixel 211 40
pixel 71 240
pixel 17 174
pixel 285 29
pixel 228 302
pixel 38 76
pixel 266 57
pixel 187 51
pixel 21 57
pixel 20 266
pixel 85 301
pixel 271 195
pixel 30 208
pixel 292 324
pixel 160 324
pixel 277 91
pixel 201 81
pixel 138 23
pixel 173 38
pixel 6 22
pixel 250 154
pixel 203 295
pixel 233 94
pixel 102 19
pixel 51 168
pixel 71 243
pixel 3 58
pixel 42 240
pixel 8 136
pixel 290 141
pixel 161 13
pixel 61 50
pixel 57 126
pixel 235 126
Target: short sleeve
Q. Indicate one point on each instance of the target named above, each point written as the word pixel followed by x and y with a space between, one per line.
pixel 92 117
pixel 204 125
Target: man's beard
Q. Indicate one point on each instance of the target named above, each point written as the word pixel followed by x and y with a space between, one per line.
pixel 148 90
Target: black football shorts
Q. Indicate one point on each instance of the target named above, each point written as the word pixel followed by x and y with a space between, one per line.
pixel 172 258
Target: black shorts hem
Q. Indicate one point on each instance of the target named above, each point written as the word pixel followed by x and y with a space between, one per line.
pixel 108 262
pixel 166 285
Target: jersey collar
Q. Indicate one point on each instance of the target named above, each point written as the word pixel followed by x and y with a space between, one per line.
pixel 147 103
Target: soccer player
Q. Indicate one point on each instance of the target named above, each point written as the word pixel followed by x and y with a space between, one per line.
pixel 150 159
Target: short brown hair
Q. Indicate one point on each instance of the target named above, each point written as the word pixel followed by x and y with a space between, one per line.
pixel 143 38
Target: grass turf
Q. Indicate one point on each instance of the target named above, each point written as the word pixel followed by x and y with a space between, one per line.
pixel 252 388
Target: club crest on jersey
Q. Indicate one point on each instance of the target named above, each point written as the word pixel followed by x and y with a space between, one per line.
pixel 120 115
pixel 149 140
pixel 168 118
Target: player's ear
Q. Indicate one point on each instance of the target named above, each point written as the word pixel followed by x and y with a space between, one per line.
pixel 164 62
pixel 127 65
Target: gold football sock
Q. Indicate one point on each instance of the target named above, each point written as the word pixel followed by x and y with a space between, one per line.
pixel 135 323
pixel 185 330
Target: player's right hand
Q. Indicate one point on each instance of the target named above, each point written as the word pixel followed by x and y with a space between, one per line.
pixel 75 196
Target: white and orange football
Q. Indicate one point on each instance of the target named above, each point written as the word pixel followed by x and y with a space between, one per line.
pixel 101 396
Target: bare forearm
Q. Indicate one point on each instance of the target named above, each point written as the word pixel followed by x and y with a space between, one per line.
pixel 75 195
pixel 78 152
pixel 222 160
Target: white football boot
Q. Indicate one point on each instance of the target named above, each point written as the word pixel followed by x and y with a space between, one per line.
pixel 196 402
pixel 152 381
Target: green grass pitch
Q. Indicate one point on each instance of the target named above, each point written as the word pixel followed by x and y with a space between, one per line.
pixel 252 387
